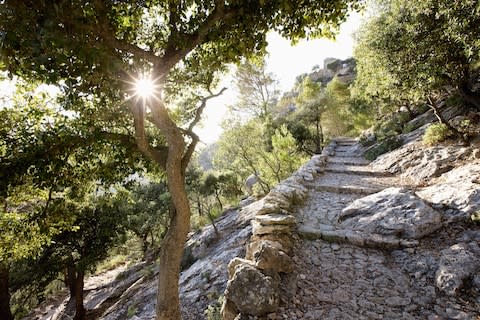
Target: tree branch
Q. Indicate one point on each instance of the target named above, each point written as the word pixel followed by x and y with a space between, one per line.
pixel 107 33
pixel 174 54
pixel 159 156
pixel 198 115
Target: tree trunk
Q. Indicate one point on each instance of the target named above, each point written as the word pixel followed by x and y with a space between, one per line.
pixel 318 145
pixel 70 280
pixel 469 96
pixel 217 196
pixel 212 221
pixel 5 312
pixel 168 302
pixel 80 311
pixel 441 119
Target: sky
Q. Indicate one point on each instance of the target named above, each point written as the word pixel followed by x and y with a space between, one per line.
pixel 286 62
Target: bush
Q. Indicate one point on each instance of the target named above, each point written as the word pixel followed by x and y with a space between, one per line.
pixel 436 133
pixel 213 310
pixel 385 146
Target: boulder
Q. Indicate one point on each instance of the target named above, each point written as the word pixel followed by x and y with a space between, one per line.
pixel 229 310
pixel 236 262
pixel 458 189
pixel 270 257
pixel 457 264
pixel 253 292
pixel 391 212
pixel 254 246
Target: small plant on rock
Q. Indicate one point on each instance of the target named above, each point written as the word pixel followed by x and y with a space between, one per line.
pixel 436 133
pixel 213 311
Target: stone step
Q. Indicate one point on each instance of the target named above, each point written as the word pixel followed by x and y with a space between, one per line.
pixel 350 161
pixel 347 189
pixel 357 171
pixel 343 149
pixel 346 155
pixel 358 239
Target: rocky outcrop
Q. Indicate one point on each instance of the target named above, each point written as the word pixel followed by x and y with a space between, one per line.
pixel 392 212
pixel 459 263
pixel 458 190
pixel 418 164
pixel 253 285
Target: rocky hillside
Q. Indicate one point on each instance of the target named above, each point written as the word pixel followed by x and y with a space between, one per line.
pixel 341 239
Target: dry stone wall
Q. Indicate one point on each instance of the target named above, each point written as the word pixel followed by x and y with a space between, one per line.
pixel 253 285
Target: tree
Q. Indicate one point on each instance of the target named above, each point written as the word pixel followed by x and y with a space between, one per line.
pixel 257 89
pixel 43 155
pixel 410 50
pixel 312 103
pixel 238 150
pixel 93 47
pixel 98 224
pixel 147 208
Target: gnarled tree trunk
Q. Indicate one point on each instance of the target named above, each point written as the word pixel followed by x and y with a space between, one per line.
pixel 172 248
pixel 5 312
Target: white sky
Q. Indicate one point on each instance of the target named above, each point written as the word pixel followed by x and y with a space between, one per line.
pixel 286 62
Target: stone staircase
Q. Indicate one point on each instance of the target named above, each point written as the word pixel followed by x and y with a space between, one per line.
pixel 346 177
pixel 344 274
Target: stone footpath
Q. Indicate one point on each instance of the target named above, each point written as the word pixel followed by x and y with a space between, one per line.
pixel 354 274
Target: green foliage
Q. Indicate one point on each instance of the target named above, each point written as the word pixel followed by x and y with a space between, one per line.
pixel 213 311
pixel 475 217
pixel 385 146
pixel 132 310
pixel 257 89
pixel 147 209
pixel 436 133
pixel 239 151
pixel 411 50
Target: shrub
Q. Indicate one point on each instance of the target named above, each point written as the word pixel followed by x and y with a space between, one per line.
pixel 436 133
pixel 213 310
pixel 385 146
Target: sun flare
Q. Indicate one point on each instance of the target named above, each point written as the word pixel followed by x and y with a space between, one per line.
pixel 144 88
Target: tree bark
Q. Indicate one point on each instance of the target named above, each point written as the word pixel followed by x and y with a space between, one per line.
pixel 80 311
pixel 168 302
pixel 469 96
pixel 70 280
pixel 318 137
pixel 5 312
pixel 217 196
pixel 441 119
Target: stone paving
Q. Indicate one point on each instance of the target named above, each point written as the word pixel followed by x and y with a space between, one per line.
pixel 339 280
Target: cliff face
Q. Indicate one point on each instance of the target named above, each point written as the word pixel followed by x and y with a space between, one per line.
pixel 341 238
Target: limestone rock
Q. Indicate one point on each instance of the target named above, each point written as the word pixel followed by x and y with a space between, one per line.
pixel 229 310
pixel 393 211
pixel 459 189
pixel 252 292
pixel 236 262
pixel 260 229
pixel 457 264
pixel 254 246
pixel 268 257
pixel 284 239
pixel 275 218
pixel 419 164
